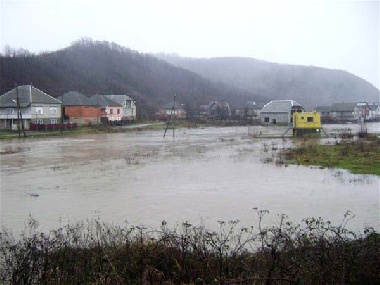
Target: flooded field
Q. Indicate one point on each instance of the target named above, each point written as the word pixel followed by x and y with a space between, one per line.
pixel 201 175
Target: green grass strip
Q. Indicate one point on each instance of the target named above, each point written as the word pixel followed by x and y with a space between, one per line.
pixel 361 156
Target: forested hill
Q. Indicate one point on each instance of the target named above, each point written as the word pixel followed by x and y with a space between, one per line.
pixel 92 67
pixel 310 86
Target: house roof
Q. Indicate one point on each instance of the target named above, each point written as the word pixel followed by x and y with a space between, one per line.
pixel 103 101
pixel 251 105
pixel 119 98
pixel 280 106
pixel 215 104
pixel 74 98
pixel 27 95
pixel 323 108
pixel 337 107
pixel 169 106
pixel 343 107
pixel 373 106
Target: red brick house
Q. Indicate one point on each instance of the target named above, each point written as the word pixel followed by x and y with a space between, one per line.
pixel 77 108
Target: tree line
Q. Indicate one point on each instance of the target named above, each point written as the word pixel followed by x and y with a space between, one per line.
pixel 93 67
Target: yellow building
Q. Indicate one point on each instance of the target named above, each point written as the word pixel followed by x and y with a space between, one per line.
pixel 306 123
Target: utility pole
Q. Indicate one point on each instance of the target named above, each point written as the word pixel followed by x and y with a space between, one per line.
pixel 170 118
pixel 19 116
pixel 62 108
pixel 174 115
pixel 98 111
pixel 132 106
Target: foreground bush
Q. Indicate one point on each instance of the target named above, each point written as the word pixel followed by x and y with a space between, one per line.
pixel 93 252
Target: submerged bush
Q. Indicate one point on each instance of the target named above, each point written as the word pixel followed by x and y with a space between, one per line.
pixel 93 252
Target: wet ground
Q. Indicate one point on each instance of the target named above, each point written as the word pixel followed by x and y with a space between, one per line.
pixel 201 175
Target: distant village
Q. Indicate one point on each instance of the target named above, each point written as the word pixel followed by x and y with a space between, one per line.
pixel 37 110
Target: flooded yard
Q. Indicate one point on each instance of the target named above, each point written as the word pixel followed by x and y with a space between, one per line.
pixel 201 175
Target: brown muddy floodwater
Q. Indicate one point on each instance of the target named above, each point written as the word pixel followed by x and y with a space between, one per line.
pixel 200 176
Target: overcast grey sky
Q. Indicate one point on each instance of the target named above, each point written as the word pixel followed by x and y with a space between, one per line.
pixel 329 33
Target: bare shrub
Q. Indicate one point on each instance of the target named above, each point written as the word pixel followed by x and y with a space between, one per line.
pixel 94 252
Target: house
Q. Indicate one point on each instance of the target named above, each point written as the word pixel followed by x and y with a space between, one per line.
pixel 345 111
pixel 80 109
pixel 35 106
pixel 253 110
pixel 280 112
pixel 341 111
pixel 250 112
pixel 215 111
pixel 374 111
pixel 324 110
pixel 112 110
pixel 361 111
pixel 306 123
pixel 164 112
pixel 129 106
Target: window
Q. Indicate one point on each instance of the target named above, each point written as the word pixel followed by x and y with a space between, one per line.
pixel 39 110
pixel 12 111
pixel 53 110
pixel 310 119
pixel 111 111
pixel 274 121
pixel 118 111
pixel 53 121
pixel 40 122
pixel 266 120
pixel 302 118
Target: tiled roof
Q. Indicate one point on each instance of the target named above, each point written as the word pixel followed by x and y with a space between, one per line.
pixel 112 103
pixel 323 108
pixel 27 95
pixel 169 106
pixel 74 98
pixel 340 107
pixel 215 104
pixel 343 107
pixel 119 98
pixel 279 106
pixel 103 101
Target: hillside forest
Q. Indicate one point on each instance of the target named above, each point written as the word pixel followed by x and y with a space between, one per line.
pixel 94 67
